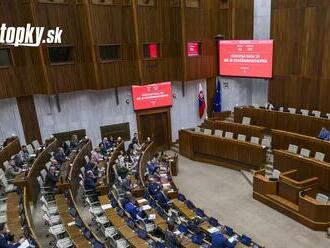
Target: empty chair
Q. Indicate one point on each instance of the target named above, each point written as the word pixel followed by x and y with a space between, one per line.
pixel 197 129
pixel 316 113
pixel 322 198
pixel 241 137
pixel 256 106
pixel 218 132
pixel 229 135
pixel 3 180
pixel 47 165
pixel 246 120
pixel 319 156
pixel 255 140
pixel 293 148
pixel 328 115
pixel 275 175
pixel 207 131
pixel 266 142
pixel 281 109
pixel 292 110
pixel 36 145
pixel 305 152
pixel 86 159
pixel 304 111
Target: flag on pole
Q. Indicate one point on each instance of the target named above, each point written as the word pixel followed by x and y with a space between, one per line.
pixel 201 102
pixel 217 98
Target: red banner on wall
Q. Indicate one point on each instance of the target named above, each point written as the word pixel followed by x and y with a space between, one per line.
pixel 152 95
pixel 246 58
pixel 193 49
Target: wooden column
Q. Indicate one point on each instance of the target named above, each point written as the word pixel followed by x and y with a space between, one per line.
pixel 29 118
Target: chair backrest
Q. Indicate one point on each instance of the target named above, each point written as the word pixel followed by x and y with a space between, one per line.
pixel 229 135
pixel 246 120
pixel 254 140
pixel 207 131
pixel 41 183
pixel 36 144
pixel 5 164
pixel 43 174
pixel 67 142
pixel 305 152
pixel 293 148
pixel 30 149
pixel 256 106
pixel 218 132
pixel 281 109
pixel 82 170
pixel 241 137
pixel 319 156
pixel 246 240
pixel 292 110
pixel 47 165
pixel 276 174
pixel 316 113
pixel 304 111
pixel 197 129
pixel 322 198
pixel 3 179
pixel 2 173
pixel 266 142
pixel 328 115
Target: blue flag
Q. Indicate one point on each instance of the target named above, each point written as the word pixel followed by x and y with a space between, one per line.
pixel 217 98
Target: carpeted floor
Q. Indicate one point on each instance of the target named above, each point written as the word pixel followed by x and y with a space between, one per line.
pixel 227 195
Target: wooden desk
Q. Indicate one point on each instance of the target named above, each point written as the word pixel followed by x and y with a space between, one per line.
pixel 187 212
pixel 13 216
pixel 282 139
pixel 307 167
pixel 11 149
pixel 296 123
pixel 138 242
pixel 221 151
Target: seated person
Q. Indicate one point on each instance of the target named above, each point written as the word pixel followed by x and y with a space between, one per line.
pixel 11 171
pixel 135 139
pixel 6 239
pixel 218 240
pixel 92 166
pixel 128 198
pixel 51 178
pixel 90 181
pixel 125 183
pixel 324 134
pixel 162 199
pixel 106 144
pixel 54 163
pixel 60 155
pixel 74 142
pixel 171 239
pixel 96 155
pixel 23 156
pixel 152 167
pixel 103 151
pixel 153 187
pixel 119 140
pixel 122 170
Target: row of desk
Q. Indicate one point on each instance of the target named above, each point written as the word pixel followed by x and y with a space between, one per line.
pixel 282 139
pixel 271 119
pixel 230 153
pixel 236 128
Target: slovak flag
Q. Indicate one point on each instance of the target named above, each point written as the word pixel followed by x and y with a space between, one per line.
pixel 201 102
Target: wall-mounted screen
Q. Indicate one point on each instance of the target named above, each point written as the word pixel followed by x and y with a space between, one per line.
pixel 152 95
pixel 246 58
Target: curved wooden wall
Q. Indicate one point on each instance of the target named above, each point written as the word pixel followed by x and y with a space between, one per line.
pixel 11 149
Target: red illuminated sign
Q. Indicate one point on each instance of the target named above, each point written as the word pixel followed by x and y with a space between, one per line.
pixel 193 49
pixel 153 51
pixel 152 95
pixel 246 58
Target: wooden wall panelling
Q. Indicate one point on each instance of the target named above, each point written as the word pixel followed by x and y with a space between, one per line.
pixel 29 118
pixel 301 54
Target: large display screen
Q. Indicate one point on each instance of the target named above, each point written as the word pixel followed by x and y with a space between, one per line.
pixel 152 95
pixel 246 58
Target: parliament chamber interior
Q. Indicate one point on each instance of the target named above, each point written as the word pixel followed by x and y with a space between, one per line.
pixel 165 123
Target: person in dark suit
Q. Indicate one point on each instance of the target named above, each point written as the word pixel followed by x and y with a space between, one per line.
pixel 60 155
pixel 135 139
pixel 171 239
pixel 106 144
pixel 51 178
pixel 324 134
pixel 74 142
pixel 90 181
pixel 6 239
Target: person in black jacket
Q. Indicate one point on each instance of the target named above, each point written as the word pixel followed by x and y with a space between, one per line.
pixel 6 238
pixel 51 178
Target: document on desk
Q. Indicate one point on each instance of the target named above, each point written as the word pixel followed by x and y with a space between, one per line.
pixel 145 207
pixel 142 201
pixel 152 217
pixel 25 244
pixel 71 223
pixel 106 206
pixel 213 230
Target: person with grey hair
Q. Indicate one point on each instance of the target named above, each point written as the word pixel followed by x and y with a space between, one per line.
pixel 51 178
